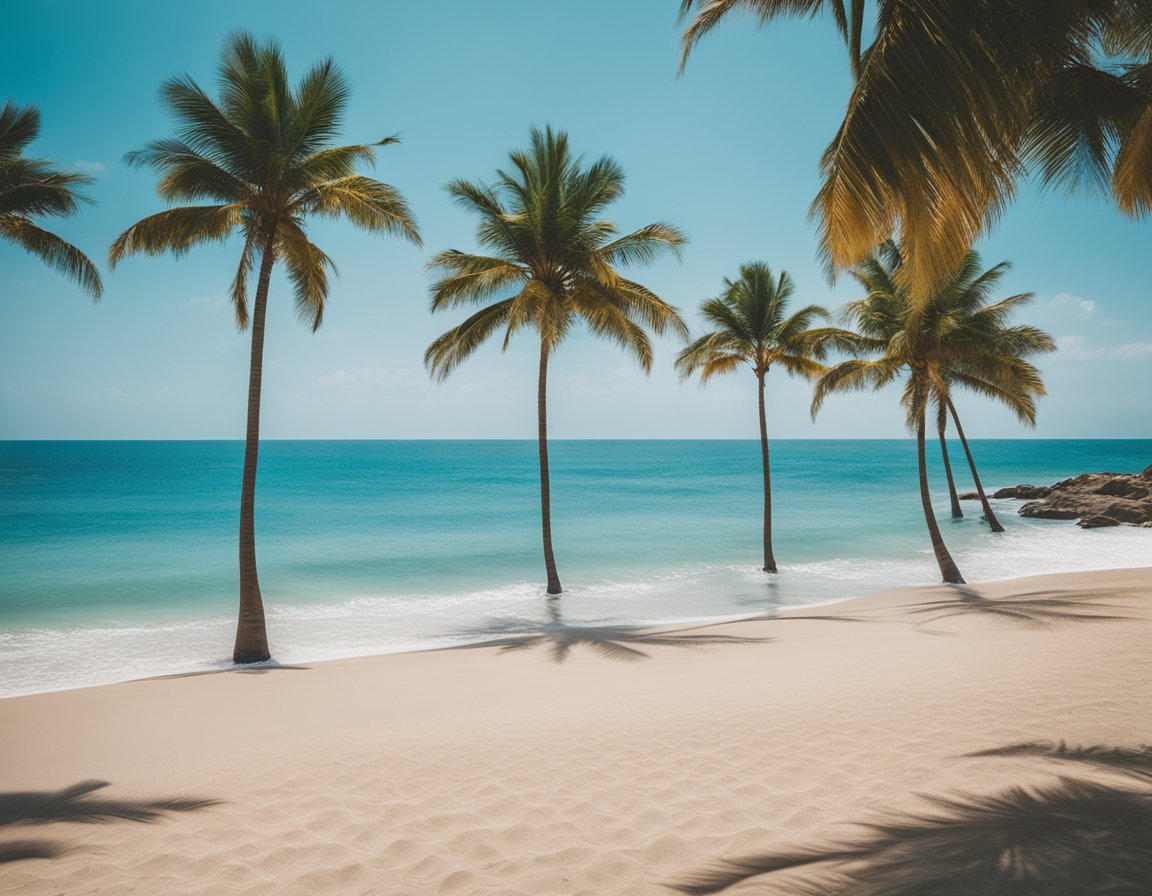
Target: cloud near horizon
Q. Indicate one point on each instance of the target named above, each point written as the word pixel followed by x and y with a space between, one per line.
pixel 1073 348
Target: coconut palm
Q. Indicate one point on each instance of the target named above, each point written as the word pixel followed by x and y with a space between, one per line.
pixel 258 164
pixel 752 328
pixel 957 338
pixel 31 188
pixel 936 130
pixel 555 262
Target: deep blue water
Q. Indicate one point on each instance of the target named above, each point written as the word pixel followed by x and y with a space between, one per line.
pixel 118 559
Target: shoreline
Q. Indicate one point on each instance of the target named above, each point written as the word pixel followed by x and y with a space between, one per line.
pixel 467 770
pixel 223 665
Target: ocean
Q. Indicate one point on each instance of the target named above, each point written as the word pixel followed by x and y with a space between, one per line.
pixel 118 559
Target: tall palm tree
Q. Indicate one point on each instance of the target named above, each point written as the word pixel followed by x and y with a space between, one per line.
pixel 555 259
pixel 31 188
pixel 260 163
pixel 752 328
pixel 936 131
pixel 958 337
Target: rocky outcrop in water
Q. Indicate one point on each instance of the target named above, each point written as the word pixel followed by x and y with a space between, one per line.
pixel 1095 499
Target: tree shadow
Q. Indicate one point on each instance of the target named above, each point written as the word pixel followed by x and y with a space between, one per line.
pixel 1133 761
pixel 1069 838
pixel 77 804
pixel 1034 609
pixel 614 642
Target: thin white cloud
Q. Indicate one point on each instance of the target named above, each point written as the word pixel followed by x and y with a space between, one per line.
pixel 1077 305
pixel 1073 348
pixel 203 302
pixel 89 167
pixel 366 376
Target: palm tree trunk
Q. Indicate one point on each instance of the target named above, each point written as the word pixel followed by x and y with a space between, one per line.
pixel 948 568
pixel 957 511
pixel 769 558
pixel 545 493
pixel 251 632
pixel 993 523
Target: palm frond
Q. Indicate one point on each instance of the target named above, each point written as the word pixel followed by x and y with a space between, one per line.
pixel 53 251
pixel 176 230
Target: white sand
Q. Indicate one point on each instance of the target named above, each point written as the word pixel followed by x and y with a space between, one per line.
pixel 469 771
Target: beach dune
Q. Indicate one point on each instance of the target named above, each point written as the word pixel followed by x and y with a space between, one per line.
pixel 631 766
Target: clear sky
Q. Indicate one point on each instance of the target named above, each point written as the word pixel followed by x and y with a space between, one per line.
pixel 728 152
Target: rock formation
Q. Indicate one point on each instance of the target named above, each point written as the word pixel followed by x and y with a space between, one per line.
pixel 1095 499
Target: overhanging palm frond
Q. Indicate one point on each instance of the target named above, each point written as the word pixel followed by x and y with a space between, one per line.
pixel 176 230
pixel 451 349
pixel 367 203
pixel 31 188
pixel 53 251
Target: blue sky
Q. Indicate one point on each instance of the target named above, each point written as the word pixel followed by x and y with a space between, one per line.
pixel 728 152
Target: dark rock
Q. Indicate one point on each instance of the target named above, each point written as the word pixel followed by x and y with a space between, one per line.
pixel 1122 488
pixel 969 496
pixel 1025 492
pixel 1096 499
pixel 1044 510
pixel 1147 474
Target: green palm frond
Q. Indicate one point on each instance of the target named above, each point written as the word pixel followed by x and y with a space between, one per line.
pixel 308 269
pixel 53 251
pixel 176 230
pixel 367 203
pixel 452 348
pixel 468 279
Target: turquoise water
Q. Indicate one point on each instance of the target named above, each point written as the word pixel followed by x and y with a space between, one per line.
pixel 118 559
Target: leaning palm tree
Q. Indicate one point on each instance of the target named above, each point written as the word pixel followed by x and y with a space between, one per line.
pixel 31 188
pixel 955 338
pixel 258 164
pixel 936 130
pixel 555 260
pixel 752 328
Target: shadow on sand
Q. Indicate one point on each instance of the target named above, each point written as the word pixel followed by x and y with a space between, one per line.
pixel 614 642
pixel 77 804
pixel 1067 838
pixel 1035 609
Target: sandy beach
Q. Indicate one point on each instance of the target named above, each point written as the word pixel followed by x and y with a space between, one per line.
pixel 506 772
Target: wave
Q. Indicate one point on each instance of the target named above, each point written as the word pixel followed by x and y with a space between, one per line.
pixel 41 659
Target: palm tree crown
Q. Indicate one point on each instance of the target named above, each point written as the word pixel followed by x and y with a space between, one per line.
pixel 959 337
pixel 261 160
pixel 556 262
pixel 258 163
pixel 553 252
pixel 752 327
pixel 32 188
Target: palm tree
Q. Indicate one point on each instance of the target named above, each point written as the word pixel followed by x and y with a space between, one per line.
pixel 937 128
pixel 32 187
pixel 260 163
pixel 555 259
pixel 751 329
pixel 941 427
pixel 956 338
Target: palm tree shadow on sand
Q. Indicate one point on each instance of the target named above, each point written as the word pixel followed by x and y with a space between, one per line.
pixel 1034 609
pixel 621 643
pixel 77 804
pixel 1068 838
